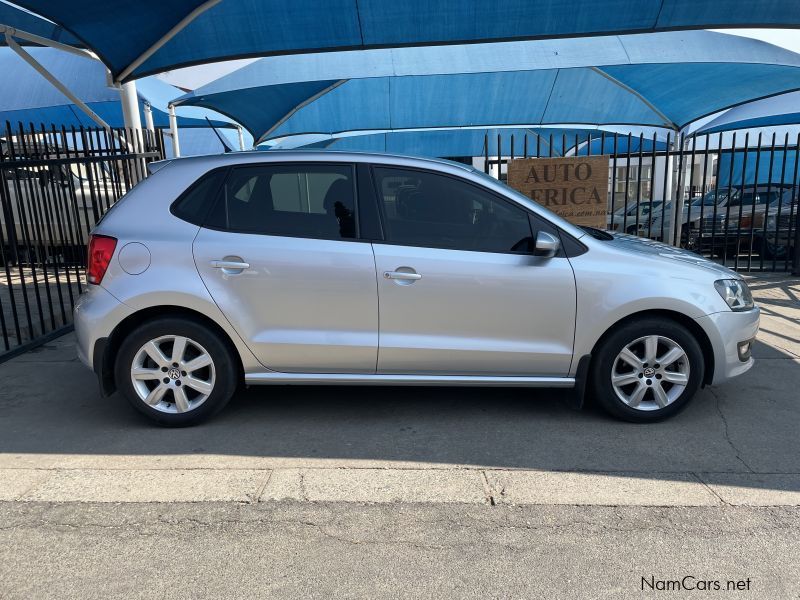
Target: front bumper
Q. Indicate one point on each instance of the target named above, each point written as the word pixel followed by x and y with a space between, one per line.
pixel 726 331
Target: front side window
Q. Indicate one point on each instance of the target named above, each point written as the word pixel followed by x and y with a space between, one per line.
pixel 427 209
pixel 315 201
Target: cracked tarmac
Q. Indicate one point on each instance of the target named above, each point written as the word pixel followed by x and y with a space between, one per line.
pixel 336 550
pixel 391 492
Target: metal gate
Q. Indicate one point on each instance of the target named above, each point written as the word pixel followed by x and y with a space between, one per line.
pixel 731 199
pixel 55 184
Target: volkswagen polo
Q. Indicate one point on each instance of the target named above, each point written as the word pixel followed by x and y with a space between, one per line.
pixel 345 268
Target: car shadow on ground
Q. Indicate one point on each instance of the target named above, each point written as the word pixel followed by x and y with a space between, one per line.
pixel 51 406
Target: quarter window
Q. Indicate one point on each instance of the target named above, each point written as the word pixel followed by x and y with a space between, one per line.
pixel 194 204
pixel 426 209
pixel 315 201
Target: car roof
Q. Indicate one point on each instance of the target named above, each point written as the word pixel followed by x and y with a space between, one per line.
pixel 255 156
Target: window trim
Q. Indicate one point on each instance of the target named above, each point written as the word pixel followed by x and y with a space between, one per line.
pixel 365 182
pixel 378 195
pixel 291 164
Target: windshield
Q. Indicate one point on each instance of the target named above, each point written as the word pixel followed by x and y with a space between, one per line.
pixel 760 198
pixel 710 199
pixel 644 208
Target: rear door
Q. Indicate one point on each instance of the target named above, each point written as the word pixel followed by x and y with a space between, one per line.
pixel 281 257
pixel 460 292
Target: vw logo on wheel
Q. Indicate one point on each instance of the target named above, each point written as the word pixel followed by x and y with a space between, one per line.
pixel 174 373
pixel 649 372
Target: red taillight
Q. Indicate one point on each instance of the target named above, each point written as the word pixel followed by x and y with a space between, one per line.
pixel 101 249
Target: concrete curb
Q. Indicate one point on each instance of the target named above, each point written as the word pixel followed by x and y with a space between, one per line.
pixel 405 486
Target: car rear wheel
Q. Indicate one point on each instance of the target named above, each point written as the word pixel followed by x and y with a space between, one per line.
pixel 175 371
pixel 647 370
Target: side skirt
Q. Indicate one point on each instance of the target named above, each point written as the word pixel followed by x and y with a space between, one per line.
pixel 420 380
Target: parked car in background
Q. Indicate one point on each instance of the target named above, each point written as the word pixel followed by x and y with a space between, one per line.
pixel 270 268
pixel 739 224
pixel 693 211
pixel 634 218
pixel 778 237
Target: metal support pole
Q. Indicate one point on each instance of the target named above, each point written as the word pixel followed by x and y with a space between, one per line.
pixel 148 123
pixel 30 37
pixel 241 137
pixel 130 107
pixel 670 195
pixel 173 129
pixel 148 118
pixel 677 214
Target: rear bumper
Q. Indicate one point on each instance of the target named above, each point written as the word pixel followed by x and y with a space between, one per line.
pixel 96 315
pixel 726 331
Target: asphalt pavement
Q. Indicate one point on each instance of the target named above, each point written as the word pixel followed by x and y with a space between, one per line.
pixel 403 492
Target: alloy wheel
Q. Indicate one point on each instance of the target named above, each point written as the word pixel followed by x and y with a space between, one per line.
pixel 650 373
pixel 173 374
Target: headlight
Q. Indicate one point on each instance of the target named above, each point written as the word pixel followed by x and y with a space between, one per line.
pixel 735 293
pixel 772 223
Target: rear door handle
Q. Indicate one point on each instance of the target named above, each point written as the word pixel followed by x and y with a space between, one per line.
pixel 230 266
pixel 402 276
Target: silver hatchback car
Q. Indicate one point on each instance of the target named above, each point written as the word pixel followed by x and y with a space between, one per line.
pixel 345 268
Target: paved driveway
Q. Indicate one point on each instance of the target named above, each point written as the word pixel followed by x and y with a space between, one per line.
pixel 496 442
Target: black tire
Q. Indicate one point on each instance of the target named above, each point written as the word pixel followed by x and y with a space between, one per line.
pixel 225 368
pixel 605 356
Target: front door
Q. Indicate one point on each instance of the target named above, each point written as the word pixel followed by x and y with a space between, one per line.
pixel 459 291
pixel 280 257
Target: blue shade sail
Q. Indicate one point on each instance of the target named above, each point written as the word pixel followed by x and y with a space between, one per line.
pixel 777 111
pixel 32 99
pixel 753 167
pixel 457 142
pixel 662 80
pixel 243 28
pixel 30 23
pixel 621 144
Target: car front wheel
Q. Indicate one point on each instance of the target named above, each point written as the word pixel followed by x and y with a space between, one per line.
pixel 175 371
pixel 647 370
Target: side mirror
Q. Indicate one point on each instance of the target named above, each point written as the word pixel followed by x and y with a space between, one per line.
pixel 547 245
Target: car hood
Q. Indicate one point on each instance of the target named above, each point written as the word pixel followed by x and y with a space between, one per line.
pixel 668 254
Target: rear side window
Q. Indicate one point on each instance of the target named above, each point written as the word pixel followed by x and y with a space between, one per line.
pixel 314 201
pixel 427 209
pixel 194 204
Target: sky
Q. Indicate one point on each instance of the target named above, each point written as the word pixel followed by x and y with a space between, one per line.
pixel 787 38
pixel 193 77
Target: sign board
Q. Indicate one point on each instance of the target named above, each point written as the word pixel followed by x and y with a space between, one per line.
pixel 575 188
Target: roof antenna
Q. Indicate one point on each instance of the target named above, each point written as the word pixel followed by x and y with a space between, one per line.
pixel 219 137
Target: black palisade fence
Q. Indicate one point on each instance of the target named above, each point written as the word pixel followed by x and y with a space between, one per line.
pixel 732 198
pixel 55 184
